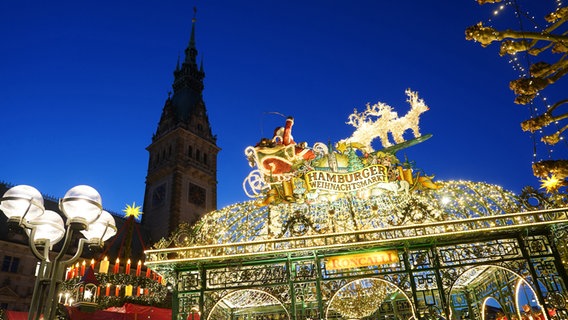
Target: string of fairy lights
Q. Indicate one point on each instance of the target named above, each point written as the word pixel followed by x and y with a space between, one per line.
pixel 520 62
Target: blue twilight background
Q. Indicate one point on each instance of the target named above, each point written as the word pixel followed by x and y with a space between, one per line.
pixel 83 83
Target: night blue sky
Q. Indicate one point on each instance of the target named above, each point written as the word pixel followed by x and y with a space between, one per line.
pixel 83 83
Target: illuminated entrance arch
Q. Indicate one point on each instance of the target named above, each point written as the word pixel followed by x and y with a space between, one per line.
pixel 334 218
pixel 526 297
pixel 244 304
pixel 480 285
pixel 486 306
pixel 363 297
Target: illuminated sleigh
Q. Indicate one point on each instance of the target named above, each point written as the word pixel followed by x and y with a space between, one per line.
pixel 275 164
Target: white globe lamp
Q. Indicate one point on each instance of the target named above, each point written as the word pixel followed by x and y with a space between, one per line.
pixel 82 205
pixel 23 203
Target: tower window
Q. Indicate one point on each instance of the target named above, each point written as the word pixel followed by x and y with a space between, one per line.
pixel 10 264
pixel 159 195
pixel 196 195
pixel 190 151
pixel 205 158
pixel 197 155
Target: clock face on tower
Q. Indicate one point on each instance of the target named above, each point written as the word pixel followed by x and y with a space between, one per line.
pixel 159 195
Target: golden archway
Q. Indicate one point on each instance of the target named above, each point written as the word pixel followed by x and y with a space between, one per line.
pixel 361 298
pixel 240 303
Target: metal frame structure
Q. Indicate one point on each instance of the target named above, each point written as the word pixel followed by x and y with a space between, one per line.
pixel 457 247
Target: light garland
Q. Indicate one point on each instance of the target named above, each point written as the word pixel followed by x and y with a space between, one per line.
pixel 360 298
pixel 530 84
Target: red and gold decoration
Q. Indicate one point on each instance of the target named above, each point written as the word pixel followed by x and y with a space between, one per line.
pixel 144 287
pixel 93 285
pixel 287 171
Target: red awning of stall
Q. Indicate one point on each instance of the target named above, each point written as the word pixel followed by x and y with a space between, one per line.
pixel 149 311
pixel 16 315
pixel 127 312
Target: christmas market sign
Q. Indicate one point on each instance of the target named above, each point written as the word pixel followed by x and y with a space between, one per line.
pixel 290 171
pixel 346 182
pixel 361 260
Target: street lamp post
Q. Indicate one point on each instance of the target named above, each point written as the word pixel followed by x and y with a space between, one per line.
pixel 82 206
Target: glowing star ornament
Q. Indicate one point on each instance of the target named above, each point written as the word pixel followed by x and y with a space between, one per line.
pixel 132 211
pixel 551 183
pixel 343 146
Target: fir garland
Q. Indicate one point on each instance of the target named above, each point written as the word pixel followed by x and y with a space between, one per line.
pixel 156 297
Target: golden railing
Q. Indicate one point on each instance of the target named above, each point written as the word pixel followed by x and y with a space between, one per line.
pixel 383 237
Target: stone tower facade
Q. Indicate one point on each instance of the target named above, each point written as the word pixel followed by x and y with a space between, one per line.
pixel 181 183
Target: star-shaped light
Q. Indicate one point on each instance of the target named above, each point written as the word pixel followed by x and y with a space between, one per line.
pixel 132 211
pixel 551 183
pixel 88 295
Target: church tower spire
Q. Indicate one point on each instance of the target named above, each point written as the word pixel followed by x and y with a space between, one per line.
pixel 181 183
pixel 191 51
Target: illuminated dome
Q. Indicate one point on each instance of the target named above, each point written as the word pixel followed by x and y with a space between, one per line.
pixel 455 200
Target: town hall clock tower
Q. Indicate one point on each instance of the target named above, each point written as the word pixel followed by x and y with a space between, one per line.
pixel 181 183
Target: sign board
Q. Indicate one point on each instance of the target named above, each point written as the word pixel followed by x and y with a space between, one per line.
pixel 347 182
pixel 361 260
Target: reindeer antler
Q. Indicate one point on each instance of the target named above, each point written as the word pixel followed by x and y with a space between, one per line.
pixel 356 119
pixel 413 97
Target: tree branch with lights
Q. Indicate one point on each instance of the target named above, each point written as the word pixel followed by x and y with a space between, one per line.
pixel 554 40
